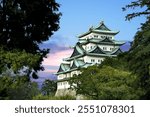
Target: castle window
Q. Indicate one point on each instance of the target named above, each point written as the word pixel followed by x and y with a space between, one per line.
pixel 95 36
pixel 92 60
pixel 99 61
pixel 110 37
pixel 103 37
pixel 111 48
pixel 104 48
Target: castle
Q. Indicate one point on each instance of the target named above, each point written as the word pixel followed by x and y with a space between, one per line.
pixel 92 48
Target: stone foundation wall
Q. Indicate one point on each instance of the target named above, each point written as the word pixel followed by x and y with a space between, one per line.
pixel 63 92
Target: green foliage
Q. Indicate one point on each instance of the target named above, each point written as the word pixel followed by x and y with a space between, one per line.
pixel 24 24
pixel 135 4
pixel 65 97
pixel 49 87
pixel 17 88
pixel 139 55
pixel 106 83
pixel 17 60
pixel 118 62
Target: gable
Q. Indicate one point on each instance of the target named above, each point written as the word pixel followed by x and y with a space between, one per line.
pixel 107 40
pixel 63 67
pixel 60 69
pixel 103 27
pixel 73 65
pixel 118 51
pixel 97 50
pixel 75 53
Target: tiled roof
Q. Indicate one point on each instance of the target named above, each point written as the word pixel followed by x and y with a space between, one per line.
pixel 101 29
pixel 106 41
pixel 97 50
pixel 77 63
pixel 64 67
pixel 76 57
pixel 102 26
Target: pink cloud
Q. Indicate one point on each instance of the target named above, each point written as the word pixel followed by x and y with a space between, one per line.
pixel 54 59
pixel 50 70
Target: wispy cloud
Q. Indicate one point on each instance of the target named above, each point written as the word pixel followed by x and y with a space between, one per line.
pixel 58 43
pixel 54 59
pixel 59 49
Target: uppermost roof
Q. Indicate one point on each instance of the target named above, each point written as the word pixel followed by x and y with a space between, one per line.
pixel 100 29
pixel 102 26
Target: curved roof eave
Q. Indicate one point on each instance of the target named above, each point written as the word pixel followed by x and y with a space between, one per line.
pixel 115 51
pixel 102 55
pixel 75 57
pixel 99 32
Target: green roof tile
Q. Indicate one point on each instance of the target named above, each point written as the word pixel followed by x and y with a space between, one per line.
pixel 64 67
pixel 78 52
pixel 116 51
pixel 101 29
pixel 119 42
pixel 105 41
pixel 102 26
pixel 77 63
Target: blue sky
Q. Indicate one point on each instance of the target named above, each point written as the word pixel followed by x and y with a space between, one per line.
pixel 77 17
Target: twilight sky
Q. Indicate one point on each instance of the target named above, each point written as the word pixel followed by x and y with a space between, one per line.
pixel 77 17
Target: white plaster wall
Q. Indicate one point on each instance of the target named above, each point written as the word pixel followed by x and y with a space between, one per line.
pixel 97 59
pixel 74 72
pixel 90 46
pixel 107 46
pixel 102 36
pixel 68 75
pixel 91 35
pixel 63 85
pixel 88 36
pixel 61 76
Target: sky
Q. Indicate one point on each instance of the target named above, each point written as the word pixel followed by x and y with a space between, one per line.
pixel 77 17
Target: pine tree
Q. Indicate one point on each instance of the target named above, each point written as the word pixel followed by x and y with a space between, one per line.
pixel 139 54
pixel 24 24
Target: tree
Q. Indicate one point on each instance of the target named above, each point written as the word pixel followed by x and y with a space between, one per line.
pixel 18 61
pixel 24 24
pixel 135 4
pixel 139 54
pixel 106 83
pixel 49 87
pixel 118 62
pixel 17 88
